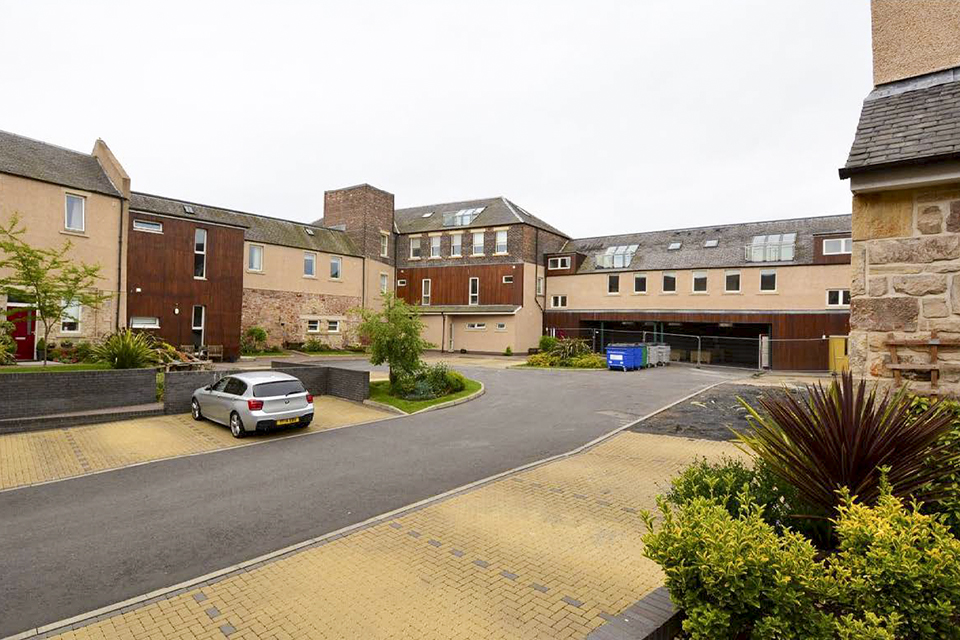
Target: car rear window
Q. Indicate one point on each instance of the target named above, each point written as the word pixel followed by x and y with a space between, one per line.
pixel 278 388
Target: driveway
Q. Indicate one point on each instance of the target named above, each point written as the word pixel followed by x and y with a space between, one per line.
pixel 80 544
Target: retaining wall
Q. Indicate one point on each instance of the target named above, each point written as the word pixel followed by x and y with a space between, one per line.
pixel 42 394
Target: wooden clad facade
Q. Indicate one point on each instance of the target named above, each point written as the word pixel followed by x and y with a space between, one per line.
pixel 451 285
pixel 161 282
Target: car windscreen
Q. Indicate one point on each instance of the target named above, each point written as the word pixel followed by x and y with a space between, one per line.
pixel 277 388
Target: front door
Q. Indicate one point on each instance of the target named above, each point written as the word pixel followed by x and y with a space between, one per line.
pixel 839 355
pixel 23 332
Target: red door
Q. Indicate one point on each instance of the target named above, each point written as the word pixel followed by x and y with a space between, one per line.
pixel 23 333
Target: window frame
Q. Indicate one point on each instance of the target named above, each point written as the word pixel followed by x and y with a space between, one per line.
pixel 473 297
pixel 435 243
pixel 77 321
pixel 336 260
pixel 250 249
pixel 663 282
pixel 83 213
pixel 384 245
pixel 540 283
pixel 840 304
pixel 333 326
pixel 768 272
pixel 559 296
pixel 504 280
pixel 203 322
pixel 476 326
pixel 501 326
pixel 316 323
pixel 402 282
pixel 151 325
pixel 844 242
pixel 456 245
pixel 416 245
pixel 563 262
pixel 611 279
pixel 313 262
pixel 473 245
pixel 158 230
pixel 426 292
pixel 203 253
pixel 726 281
pixel 643 277
pixel 384 282
pixel 497 251
pixel 699 275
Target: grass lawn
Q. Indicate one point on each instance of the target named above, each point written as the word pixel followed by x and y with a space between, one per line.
pixel 380 392
pixel 55 368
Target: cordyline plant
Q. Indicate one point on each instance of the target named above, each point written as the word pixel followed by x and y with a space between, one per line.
pixel 842 435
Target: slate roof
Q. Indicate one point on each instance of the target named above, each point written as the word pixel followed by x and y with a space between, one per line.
pixel 908 122
pixel 258 228
pixel 29 158
pixel 496 212
pixel 652 253
pixel 466 310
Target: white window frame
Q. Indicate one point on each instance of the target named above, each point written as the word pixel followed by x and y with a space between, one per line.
pixel 313 262
pixel 559 298
pixel 203 322
pixel 482 235
pixel 313 326
pixel 384 282
pixel 384 244
pixel 402 282
pixel 435 248
pixel 846 246
pixel 613 277
pixel 456 245
pixel 726 275
pixel 501 326
pixel 476 326
pixel 416 251
pixel 497 251
pixel 840 304
pixel 643 277
pixel 663 281
pixel 144 322
pixel 474 296
pixel 336 260
pixel 333 326
pixel 559 263
pixel 67 318
pixel 83 213
pixel 426 292
pixel 206 241
pixel 775 283
pixel 540 283
pixel 148 226
pixel 250 252
pixel 699 275
pixel 507 280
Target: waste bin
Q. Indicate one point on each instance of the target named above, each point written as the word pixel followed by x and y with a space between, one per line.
pixel 624 356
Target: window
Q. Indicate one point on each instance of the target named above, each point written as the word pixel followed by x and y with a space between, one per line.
pixel 308 231
pixel 837 246
pixel 415 248
pixel 768 280
pixel 699 281
pixel 507 279
pixel 313 326
pixel 434 246
pixel 618 257
pixel 477 243
pixel 74 219
pixel 336 267
pixel 384 282
pixel 70 319
pixel 255 258
pixel 501 326
pixel 401 283
pixel 425 292
pixel 474 291
pixel 384 245
pixel 559 263
pixel 309 264
pixel 142 322
pixel 640 283
pixel 838 297
pixel 673 246
pixel 539 285
pixel 199 311
pixel 476 326
pixel 772 248
pixel 669 282
pixel 235 387
pixel 558 302
pixel 333 326
pixel 710 244
pixel 501 241
pixel 456 245
pixel 731 282
pixel 200 253
pixel 613 284
pixel 148 225
pixel 461 218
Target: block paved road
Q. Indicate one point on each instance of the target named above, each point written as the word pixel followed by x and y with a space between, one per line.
pixel 84 543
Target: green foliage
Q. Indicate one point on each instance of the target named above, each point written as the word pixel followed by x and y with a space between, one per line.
pixel 313 346
pixel 568 348
pixel 547 343
pixel 508 351
pixel 566 352
pixel 126 349
pixel 541 360
pixel 8 346
pixel 946 490
pixel 253 341
pixel 395 336
pixel 428 382
pixel 70 353
pixel 588 361
pixel 49 280
pixel 456 382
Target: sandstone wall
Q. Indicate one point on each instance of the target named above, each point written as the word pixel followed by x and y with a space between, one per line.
pixel 906 280
pixel 285 314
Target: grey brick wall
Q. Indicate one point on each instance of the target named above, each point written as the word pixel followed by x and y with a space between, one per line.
pixel 42 394
pixel 348 383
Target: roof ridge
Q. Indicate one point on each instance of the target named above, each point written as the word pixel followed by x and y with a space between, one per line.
pixel 443 204
pixel 713 226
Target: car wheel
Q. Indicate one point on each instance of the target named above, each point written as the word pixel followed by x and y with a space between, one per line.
pixel 236 425
pixel 195 410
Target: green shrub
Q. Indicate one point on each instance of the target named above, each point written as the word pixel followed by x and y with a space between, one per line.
pixel 588 361
pixel 568 348
pixel 273 349
pixel 436 377
pixel 456 382
pixel 126 349
pixel 547 343
pixel 253 341
pixel 946 491
pixel 313 346
pixel 542 360
pixel 8 346
pixel 508 351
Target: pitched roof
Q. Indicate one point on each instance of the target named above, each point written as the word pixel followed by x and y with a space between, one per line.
pixel 652 252
pixel 496 212
pixel 908 122
pixel 258 228
pixel 29 158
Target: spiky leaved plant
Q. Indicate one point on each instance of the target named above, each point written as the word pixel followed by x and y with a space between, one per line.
pixel 842 434
pixel 127 349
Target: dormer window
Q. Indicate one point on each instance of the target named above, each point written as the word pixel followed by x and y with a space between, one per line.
pixel 559 263
pixel 775 247
pixel 837 246
pixel 461 218
pixel 673 246
pixel 617 257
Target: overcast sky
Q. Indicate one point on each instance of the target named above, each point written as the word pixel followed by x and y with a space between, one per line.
pixel 600 117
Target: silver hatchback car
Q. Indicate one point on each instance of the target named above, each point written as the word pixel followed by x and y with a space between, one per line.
pixel 255 401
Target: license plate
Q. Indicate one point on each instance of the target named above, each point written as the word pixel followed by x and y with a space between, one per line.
pixel 288 421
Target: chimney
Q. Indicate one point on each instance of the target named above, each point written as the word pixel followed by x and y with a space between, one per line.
pixel 365 213
pixel 914 37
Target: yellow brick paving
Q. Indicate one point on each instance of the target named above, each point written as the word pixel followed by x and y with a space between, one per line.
pixel 547 553
pixel 28 458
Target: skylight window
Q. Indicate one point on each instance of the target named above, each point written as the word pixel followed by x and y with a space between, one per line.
pixel 775 247
pixel 462 217
pixel 673 246
pixel 427 214
pixel 710 244
pixel 309 231
pixel 617 257
pixel 188 208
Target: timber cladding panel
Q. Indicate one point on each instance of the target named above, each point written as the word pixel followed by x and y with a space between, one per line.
pixel 820 258
pixel 42 394
pixel 161 265
pixel 451 285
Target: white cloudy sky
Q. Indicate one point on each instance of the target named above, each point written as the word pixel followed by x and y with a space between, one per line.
pixel 601 117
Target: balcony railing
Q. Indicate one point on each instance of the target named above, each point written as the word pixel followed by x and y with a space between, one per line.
pixel 770 252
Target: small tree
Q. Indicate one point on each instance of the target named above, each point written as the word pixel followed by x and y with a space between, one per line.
pixel 46 279
pixel 395 335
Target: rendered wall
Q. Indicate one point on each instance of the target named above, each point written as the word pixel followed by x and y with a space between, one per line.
pixel 914 37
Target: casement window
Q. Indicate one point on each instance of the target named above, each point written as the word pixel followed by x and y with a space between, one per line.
pixel 456 245
pixel 669 282
pixel 333 326
pixel 197 323
pixel 336 267
pixel 415 248
pixel 838 297
pixel 731 282
pixel 558 302
pixel 313 326
pixel 539 285
pixel 255 257
pixel 425 292
pixel 559 263
pixel 74 218
pixel 699 281
pixel 837 246
pixel 768 280
pixel 476 326
pixel 309 264
pixel 507 279
pixel 613 284
pixel 477 243
pixel 70 319
pixel 501 241
pixel 200 253
pixel 144 322
pixel 640 283
pixel 384 282
pixel 401 283
pixel 474 291
pixel 148 226
pixel 434 246
pixel 384 245
pixel 501 326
